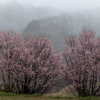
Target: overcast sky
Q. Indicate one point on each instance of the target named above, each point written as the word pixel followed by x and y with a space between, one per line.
pixel 62 4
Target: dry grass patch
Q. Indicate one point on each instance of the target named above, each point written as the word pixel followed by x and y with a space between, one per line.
pixel 63 92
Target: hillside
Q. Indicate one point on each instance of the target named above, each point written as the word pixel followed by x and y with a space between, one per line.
pixel 57 28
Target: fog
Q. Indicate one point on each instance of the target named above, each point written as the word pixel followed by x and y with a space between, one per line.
pixel 54 18
pixel 16 14
pixel 62 4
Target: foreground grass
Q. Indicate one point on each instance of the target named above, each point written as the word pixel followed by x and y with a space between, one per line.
pixel 11 96
pixel 43 98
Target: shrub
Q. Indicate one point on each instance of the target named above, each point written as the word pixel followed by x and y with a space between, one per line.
pixel 28 67
pixel 82 63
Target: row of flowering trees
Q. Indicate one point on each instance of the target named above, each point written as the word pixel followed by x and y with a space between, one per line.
pixel 33 66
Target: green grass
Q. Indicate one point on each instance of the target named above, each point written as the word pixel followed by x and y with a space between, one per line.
pixel 7 94
pixel 12 96
pixel 89 98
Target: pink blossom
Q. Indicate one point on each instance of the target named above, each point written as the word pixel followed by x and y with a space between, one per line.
pixel 82 59
pixel 32 63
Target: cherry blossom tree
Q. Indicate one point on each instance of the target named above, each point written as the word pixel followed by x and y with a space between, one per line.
pixel 30 66
pixel 82 63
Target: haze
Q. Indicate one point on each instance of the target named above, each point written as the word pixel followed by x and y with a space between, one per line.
pixel 55 18
pixel 62 4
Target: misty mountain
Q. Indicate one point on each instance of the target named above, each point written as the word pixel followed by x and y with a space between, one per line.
pixel 57 28
pixel 16 16
pixel 57 24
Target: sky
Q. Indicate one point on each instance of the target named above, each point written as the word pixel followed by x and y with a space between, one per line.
pixel 62 4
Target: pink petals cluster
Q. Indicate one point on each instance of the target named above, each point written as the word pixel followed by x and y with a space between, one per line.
pixel 82 63
pixel 27 66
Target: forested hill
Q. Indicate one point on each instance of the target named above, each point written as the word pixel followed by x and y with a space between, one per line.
pixel 16 16
pixel 57 28
pixel 62 25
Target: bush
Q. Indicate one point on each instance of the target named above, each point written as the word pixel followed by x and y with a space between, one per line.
pixel 28 67
pixel 82 63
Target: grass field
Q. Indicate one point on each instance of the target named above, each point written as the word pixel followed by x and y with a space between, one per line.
pixel 64 94
pixel 23 97
pixel 11 96
pixel 28 98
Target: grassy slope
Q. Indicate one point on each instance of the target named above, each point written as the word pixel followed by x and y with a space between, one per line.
pixel 64 92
